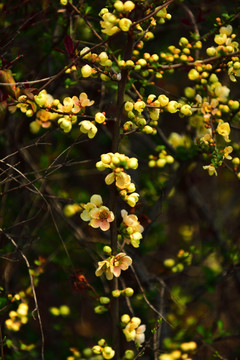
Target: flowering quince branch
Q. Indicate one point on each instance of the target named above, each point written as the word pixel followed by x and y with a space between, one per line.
pixel 205 107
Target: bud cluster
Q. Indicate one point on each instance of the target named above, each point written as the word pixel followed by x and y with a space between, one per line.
pixel 162 159
pixel 17 318
pixel 180 353
pixel 130 229
pixel 103 349
pixel 117 163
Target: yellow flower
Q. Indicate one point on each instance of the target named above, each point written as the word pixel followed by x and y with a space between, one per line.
pixel 211 169
pixel 227 151
pixel 125 24
pixel 87 127
pixel 108 352
pixel 121 179
pixel 100 117
pixel 224 130
pixel 134 331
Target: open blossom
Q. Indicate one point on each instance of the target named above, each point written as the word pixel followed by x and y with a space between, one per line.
pixel 227 151
pixel 223 129
pixel 113 265
pixel 96 214
pixel 211 169
pixel 101 217
pixel 87 127
pixel 95 200
pixel 121 179
pixel 81 102
pixel 134 331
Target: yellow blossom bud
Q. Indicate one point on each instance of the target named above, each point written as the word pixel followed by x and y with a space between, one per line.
pixel 189 92
pixel 104 300
pixel 169 263
pixel 236 161
pixel 119 6
pixel 172 107
pixel 128 106
pixel 125 319
pixel 128 292
pixel 129 355
pixel 125 24
pixel 116 293
pixel 147 129
pixel 139 106
pixel 128 6
pixel 100 118
pixel 193 74
pixel 169 159
pixel 163 99
pixel 97 349
pixel 132 163
pixel 186 110
pixel 86 71
pixel 108 352
pixel 189 346
pixel 161 163
pixel 34 127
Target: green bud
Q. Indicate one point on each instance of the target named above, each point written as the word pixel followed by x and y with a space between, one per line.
pixel 107 250
pixel 104 300
pixel 116 293
pixel 100 309
pixel 128 292
pixel 129 354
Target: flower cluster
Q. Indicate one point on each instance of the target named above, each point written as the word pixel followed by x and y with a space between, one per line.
pixel 182 353
pixel 184 258
pixel 181 53
pixel 162 159
pixel 97 214
pixel 113 265
pixel 155 106
pixel 103 349
pixel 224 41
pixel 133 331
pixel 48 110
pixel 112 23
pixel 130 229
pixel 117 163
pixel 17 318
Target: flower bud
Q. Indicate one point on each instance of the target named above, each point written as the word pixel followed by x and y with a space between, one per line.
pixel 107 250
pixel 116 293
pixel 128 292
pixel 125 319
pixel 125 24
pixel 100 118
pixel 128 6
pixel 172 107
pixel 100 309
pixel 86 71
pixel 119 6
pixel 97 349
pixel 129 355
pixel 164 100
pixel 193 74
pixel 104 300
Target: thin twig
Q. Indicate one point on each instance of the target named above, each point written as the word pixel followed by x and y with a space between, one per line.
pixel 33 290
